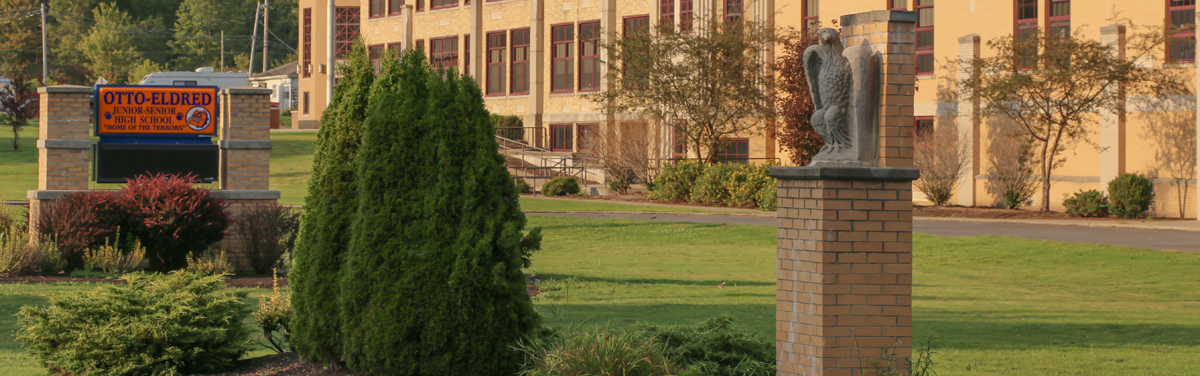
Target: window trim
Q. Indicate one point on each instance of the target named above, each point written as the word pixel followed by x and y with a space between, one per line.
pixel 487 61
pixel 376 59
pixel 432 7
pixel 739 16
pixel 343 47
pixel 554 49
pixel 891 5
pixel 809 18
pixel 1050 20
pixel 433 58
pixel 916 133
pixel 570 138
pixel 371 9
pixel 688 15
pixel 306 41
pixel 394 10
pixel 420 6
pixel 1182 32
pixel 398 47
pixel 579 69
pixel 926 51
pixel 734 141
pixel 307 100
pixel 513 60
pixel 666 12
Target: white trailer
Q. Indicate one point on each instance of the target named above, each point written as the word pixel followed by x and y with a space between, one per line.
pixel 201 77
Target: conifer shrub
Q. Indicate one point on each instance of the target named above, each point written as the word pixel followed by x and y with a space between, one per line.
pixel 1090 203
pixel 1130 195
pixel 173 219
pixel 675 181
pixel 84 220
pixel 561 186
pixel 329 207
pixel 269 232
pixel 157 324
pixel 432 282
pixel 714 348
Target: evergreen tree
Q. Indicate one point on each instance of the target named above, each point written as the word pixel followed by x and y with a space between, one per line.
pixel 329 207
pixel 110 52
pixel 20 37
pixel 432 283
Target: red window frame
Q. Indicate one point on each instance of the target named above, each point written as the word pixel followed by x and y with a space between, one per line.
pixel 734 10
pixel 679 141
pixel 306 65
pixel 586 132
pixel 630 25
pixel 497 47
pixel 924 58
pixel 666 15
pixel 561 40
pixel 347 21
pixel 1182 47
pixel 377 8
pixel 519 76
pixel 686 14
pixel 561 137
pixel 589 56
pixel 376 52
pixel 419 45
pixel 810 12
pixel 1058 16
pixel 442 4
pixel 1025 21
pixel 443 52
pixel 394 7
pixel 738 154
pixel 396 48
pixel 467 54
pixel 897 4
pixel 420 5
pixel 307 99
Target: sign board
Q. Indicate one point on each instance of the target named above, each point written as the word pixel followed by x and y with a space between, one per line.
pixel 156 111
pixel 117 162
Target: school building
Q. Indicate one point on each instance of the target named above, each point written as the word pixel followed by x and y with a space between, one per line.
pixel 538 59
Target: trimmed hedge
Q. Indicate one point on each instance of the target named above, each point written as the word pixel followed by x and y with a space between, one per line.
pixel 1090 203
pixel 1130 195
pixel 675 181
pixel 561 186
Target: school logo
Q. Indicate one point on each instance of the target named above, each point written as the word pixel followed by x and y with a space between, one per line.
pixel 198 118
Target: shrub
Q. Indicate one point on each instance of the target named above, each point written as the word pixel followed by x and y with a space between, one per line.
pixel 155 325
pixel 768 197
pixel 675 182
pixel 273 315
pixel 561 186
pixel 83 220
pixel 522 186
pixel 746 184
pixel 713 186
pixel 432 284
pixel 172 219
pixel 943 161
pixel 1089 203
pixel 210 262
pixel 328 211
pixel 111 259
pixel 714 348
pixel 619 181
pixel 598 352
pixel 1010 160
pixel 19 256
pixel 269 232
pixel 1130 195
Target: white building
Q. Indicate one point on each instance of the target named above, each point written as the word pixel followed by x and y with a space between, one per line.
pixel 281 80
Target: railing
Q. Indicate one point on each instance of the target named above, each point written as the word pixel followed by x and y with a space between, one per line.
pixel 537 165
pixel 532 136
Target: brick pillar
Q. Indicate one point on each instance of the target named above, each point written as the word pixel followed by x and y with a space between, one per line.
pixel 844 272
pixel 64 146
pixel 245 140
pixel 893 36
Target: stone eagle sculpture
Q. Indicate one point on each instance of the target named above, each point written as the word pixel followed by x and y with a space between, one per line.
pixel 844 84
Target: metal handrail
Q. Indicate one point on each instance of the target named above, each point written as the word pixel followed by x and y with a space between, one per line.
pixel 550 164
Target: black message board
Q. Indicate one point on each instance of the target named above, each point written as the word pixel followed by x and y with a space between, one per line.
pixel 117 162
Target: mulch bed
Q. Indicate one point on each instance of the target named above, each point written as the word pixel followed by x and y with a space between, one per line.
pixel 236 281
pixel 998 213
pixel 286 364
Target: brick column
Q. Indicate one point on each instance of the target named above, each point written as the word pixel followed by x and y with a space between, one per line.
pixel 844 278
pixel 245 140
pixel 64 146
pixel 893 36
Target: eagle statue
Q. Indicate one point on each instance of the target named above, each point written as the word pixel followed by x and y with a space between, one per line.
pixel 844 86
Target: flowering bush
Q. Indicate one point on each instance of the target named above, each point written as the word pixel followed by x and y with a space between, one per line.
pixel 173 219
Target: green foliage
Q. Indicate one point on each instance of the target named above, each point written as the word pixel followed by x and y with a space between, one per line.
pixel 768 197
pixel 269 232
pixel 522 186
pixel 1130 195
pixel 619 181
pixel 432 282
pixel 156 325
pixel 675 182
pixel 329 209
pixel 111 259
pixel 513 124
pixel 561 186
pixel 274 316
pixel 1090 203
pixel 714 348
pixel 211 262
pixel 110 51
pixel 597 352
pixel 892 364
pixel 19 256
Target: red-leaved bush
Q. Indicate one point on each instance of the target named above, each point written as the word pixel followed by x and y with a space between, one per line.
pixel 172 219
pixel 82 220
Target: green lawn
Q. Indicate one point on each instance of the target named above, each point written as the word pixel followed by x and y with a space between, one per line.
pixel 549 204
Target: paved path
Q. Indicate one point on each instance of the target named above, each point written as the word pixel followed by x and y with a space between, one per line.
pixel 1133 237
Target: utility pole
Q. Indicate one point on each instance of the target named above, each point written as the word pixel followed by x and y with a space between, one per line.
pixel 222 50
pixel 45 65
pixel 253 39
pixel 266 31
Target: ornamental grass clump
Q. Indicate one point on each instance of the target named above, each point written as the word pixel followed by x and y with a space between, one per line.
pixel 598 352
pixel 157 324
pixel 111 259
pixel 274 316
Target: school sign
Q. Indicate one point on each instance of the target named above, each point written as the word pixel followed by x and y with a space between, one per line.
pixel 153 129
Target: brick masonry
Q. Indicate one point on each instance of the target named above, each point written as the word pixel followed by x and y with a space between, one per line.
pixel 892 35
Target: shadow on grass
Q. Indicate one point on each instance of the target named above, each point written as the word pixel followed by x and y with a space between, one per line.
pixel 758 318
pixel 996 334
pixel 653 281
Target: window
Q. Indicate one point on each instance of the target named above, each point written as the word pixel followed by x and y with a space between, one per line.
pixel 1025 29
pixel 420 5
pixel 685 16
pixel 444 52
pixel 733 12
pixel 467 54
pixel 393 7
pixel 924 10
pixel 377 8
pixel 306 65
pixel 495 63
pixel 589 56
pixel 922 126
pixel 679 150
pixel 184 83
pixel 634 26
pixel 1059 20
pixel 897 4
pixel 419 45
pixel 561 68
pixel 561 137
pixel 811 16
pixel 637 24
pixel 440 4
pixel 347 30
pixel 1182 47
pixel 376 54
pixel 307 99
pixel 666 17
pixel 396 48
pixel 736 150
pixel 520 61
pixel 587 132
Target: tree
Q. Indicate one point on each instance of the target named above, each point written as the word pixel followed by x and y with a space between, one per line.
pixel 18 104
pixel 111 53
pixel 197 35
pixel 708 85
pixel 432 283
pixel 68 31
pixel 329 211
pixel 794 122
pixel 20 37
pixel 943 161
pixel 623 156
pixel 1052 86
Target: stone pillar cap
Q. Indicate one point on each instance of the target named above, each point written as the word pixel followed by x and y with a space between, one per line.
pixel 879 16
pixel 247 90
pixel 845 173
pixel 65 89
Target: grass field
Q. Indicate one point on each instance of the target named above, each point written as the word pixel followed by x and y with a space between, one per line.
pixel 997 306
